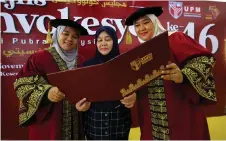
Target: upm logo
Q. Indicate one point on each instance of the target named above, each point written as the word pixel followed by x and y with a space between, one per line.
pixel 175 9
pixel 192 11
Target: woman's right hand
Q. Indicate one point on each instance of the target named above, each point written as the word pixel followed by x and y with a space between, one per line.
pixel 55 95
pixel 83 105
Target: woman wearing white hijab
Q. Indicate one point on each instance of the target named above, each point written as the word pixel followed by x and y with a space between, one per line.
pixel 170 107
pixel 43 108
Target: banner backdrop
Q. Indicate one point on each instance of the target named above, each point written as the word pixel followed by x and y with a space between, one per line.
pixel 24 28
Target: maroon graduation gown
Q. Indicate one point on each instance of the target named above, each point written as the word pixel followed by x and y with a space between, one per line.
pixel 173 111
pixel 45 120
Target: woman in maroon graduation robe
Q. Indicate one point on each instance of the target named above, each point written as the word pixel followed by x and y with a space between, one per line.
pixel 42 106
pixel 170 107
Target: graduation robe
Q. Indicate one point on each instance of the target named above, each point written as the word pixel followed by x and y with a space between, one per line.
pixel 45 120
pixel 168 110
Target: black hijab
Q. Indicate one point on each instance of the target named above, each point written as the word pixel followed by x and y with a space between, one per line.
pixel 99 58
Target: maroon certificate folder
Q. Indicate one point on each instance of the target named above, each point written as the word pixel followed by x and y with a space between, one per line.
pixel 118 77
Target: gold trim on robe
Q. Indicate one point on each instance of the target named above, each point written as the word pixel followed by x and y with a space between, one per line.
pixel 199 72
pixel 157 102
pixel 60 62
pixel 70 114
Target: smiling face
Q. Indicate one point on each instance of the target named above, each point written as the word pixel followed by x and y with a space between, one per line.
pixel 68 39
pixel 144 28
pixel 104 43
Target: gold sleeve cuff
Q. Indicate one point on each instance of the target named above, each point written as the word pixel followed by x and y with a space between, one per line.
pixel 30 91
pixel 199 72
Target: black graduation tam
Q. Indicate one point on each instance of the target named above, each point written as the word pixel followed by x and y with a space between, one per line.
pixel 66 22
pixel 157 11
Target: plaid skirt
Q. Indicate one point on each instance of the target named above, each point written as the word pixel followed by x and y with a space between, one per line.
pixel 107 124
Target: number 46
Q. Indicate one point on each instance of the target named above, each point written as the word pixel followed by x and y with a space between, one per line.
pixel 190 31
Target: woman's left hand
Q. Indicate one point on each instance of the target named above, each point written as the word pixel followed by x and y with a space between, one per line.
pixel 129 101
pixel 172 72
pixel 82 105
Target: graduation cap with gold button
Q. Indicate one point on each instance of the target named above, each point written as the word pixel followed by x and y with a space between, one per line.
pixel 157 11
pixel 65 22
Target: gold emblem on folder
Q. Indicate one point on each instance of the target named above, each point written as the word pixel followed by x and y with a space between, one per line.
pixel 136 64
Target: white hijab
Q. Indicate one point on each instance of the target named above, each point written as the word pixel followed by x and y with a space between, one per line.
pixel 70 57
pixel 157 26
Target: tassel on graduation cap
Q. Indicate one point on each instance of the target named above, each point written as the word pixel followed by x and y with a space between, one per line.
pixel 128 37
pixel 48 37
